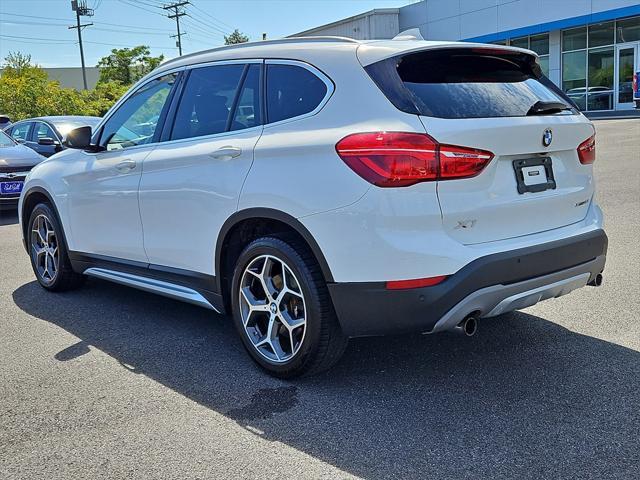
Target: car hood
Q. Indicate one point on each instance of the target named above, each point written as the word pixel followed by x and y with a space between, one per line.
pixel 19 156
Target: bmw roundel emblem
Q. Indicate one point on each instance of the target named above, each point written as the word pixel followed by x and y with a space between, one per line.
pixel 547 137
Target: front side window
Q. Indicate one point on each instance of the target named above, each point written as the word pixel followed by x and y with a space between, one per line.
pixel 20 132
pixel 292 91
pixel 206 101
pixel 136 120
pixel 42 130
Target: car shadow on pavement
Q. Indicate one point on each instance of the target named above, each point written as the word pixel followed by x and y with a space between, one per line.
pixel 523 398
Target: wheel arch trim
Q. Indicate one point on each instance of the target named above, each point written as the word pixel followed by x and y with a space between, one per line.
pixel 269 214
pixel 25 220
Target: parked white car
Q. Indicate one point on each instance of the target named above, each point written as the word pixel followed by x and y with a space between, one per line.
pixel 375 187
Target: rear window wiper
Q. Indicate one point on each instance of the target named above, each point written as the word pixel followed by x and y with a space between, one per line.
pixel 547 108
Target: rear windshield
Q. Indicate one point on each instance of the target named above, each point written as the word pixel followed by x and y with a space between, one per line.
pixel 465 83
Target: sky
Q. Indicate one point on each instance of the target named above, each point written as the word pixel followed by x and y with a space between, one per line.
pixel 40 27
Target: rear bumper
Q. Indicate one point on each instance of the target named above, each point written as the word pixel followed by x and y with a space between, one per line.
pixel 488 286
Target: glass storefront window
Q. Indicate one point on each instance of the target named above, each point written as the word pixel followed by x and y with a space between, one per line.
pixel 574 39
pixel 574 76
pixel 522 42
pixel 574 71
pixel 540 44
pixel 600 34
pixel 544 64
pixel 628 30
pixel 600 79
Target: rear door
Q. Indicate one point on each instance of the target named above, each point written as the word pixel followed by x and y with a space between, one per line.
pixel 484 99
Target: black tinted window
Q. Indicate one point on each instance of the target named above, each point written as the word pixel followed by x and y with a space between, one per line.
pixel 206 101
pixel 464 83
pixel 292 91
pixel 247 113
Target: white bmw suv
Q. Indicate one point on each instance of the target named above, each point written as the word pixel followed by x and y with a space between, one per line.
pixel 326 188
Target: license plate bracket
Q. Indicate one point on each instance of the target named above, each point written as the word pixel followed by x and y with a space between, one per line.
pixel 529 174
pixel 11 188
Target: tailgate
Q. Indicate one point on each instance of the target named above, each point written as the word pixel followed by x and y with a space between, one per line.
pixel 490 206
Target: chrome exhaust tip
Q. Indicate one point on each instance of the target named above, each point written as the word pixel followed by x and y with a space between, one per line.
pixel 597 281
pixel 467 327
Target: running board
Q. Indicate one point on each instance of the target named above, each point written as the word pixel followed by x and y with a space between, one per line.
pixel 177 292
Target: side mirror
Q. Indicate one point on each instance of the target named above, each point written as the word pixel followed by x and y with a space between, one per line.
pixel 79 138
pixel 20 140
pixel 47 141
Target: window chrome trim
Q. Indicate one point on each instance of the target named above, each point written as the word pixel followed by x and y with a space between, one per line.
pixel 315 71
pixel 241 61
pixel 211 136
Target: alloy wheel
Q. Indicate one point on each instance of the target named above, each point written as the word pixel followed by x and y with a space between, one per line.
pixel 44 249
pixel 272 308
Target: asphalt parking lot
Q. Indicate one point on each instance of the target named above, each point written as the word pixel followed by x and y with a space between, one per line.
pixel 111 382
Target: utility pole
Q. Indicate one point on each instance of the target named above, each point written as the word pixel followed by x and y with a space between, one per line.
pixel 80 7
pixel 177 13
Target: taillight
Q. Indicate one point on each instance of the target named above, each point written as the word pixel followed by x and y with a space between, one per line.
pixel 399 159
pixel 587 150
pixel 634 84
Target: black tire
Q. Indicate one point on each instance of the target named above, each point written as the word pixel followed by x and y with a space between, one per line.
pixel 323 343
pixel 65 278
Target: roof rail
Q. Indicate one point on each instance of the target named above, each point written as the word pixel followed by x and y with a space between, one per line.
pixel 318 39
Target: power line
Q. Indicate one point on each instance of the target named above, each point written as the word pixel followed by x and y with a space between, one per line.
pixel 67 20
pixel 204 12
pixel 80 7
pixel 177 13
pixel 58 41
pixel 206 25
pixel 131 4
pixel 199 29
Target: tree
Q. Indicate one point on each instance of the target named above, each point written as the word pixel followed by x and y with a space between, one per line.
pixel 26 91
pixel 127 65
pixel 16 63
pixel 235 37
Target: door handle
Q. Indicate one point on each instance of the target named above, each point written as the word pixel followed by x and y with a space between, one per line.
pixel 126 166
pixel 227 153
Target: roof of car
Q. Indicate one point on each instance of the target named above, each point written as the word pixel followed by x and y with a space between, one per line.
pixel 369 51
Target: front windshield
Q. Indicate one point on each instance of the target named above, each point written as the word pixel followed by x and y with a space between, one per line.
pixel 5 140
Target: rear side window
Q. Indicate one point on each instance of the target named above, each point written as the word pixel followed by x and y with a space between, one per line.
pixel 292 91
pixel 206 101
pixel 247 113
pixel 464 83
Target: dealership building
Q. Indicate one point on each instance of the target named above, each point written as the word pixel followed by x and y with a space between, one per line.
pixel 589 48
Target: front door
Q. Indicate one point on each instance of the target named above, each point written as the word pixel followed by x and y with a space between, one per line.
pixel 103 204
pixel 627 63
